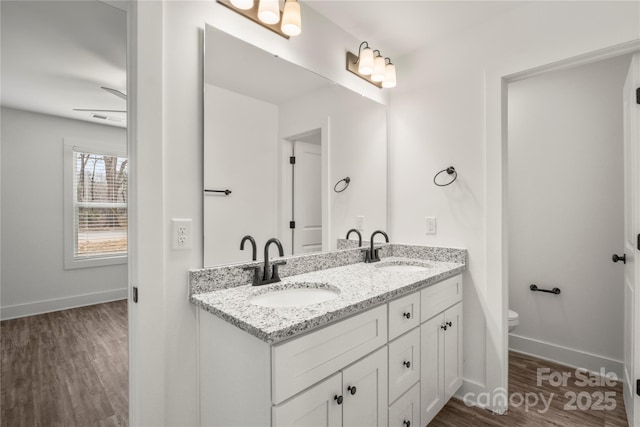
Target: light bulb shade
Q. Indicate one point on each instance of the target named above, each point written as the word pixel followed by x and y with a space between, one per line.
pixel 291 21
pixel 389 76
pixel 242 4
pixel 269 11
pixel 365 64
pixel 377 75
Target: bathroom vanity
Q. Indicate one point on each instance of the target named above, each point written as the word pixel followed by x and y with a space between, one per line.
pixel 384 350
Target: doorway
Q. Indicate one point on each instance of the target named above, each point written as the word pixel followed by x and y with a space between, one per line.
pixel 565 205
pixel 64 261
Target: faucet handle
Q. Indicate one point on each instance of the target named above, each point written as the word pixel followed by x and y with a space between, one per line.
pixel 274 275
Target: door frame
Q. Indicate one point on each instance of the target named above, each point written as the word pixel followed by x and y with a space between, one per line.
pixel 497 207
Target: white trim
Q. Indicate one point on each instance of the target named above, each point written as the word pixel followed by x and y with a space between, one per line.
pixel 57 304
pixel 570 357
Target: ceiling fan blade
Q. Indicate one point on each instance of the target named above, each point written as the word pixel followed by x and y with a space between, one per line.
pixel 98 110
pixel 114 92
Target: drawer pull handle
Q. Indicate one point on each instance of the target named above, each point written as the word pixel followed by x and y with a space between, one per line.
pixel 352 390
pixel 338 399
pixel 407 423
pixel 407 363
pixel 407 315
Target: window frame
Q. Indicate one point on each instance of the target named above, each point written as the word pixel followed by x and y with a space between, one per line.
pixel 70 231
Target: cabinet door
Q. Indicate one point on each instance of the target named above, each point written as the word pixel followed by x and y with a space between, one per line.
pixel 364 387
pixel 316 407
pixel 431 364
pixel 453 351
pixel 405 412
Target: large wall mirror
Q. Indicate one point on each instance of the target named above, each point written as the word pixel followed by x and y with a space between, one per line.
pixel 259 112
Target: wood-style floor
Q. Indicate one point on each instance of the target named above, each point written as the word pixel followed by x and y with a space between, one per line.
pixel 522 380
pixel 68 368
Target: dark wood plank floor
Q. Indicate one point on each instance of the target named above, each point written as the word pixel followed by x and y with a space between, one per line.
pixel 523 379
pixel 68 368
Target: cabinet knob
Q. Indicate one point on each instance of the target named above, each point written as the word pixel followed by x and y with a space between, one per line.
pixel 407 363
pixel 407 423
pixel 443 326
pixel 338 399
pixel 407 315
pixel 449 324
pixel 352 390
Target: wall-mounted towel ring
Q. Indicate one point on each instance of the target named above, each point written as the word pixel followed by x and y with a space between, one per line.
pixel 346 181
pixel 451 171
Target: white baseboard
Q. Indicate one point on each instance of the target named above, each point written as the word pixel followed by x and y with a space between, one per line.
pixel 565 356
pixel 40 307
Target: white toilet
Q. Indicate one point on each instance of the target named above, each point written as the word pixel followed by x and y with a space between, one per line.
pixel 514 320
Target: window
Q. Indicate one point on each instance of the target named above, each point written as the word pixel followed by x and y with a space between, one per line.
pixel 95 206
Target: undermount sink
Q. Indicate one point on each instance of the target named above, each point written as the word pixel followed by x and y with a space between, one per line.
pixel 404 266
pixel 296 296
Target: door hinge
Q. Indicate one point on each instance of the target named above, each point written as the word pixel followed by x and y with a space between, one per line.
pixel 135 294
pixel 292 224
pixel 638 242
pixel 292 160
pixel 638 387
pixel 638 95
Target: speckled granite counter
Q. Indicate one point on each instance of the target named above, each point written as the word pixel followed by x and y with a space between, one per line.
pixel 361 286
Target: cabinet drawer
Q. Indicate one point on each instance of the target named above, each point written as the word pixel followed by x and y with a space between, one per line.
pixel 406 411
pixel 437 298
pixel 404 314
pixel 302 362
pixel 404 363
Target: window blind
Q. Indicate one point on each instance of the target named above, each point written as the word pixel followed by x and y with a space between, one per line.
pixel 99 205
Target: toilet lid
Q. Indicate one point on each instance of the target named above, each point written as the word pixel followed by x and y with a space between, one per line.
pixel 513 315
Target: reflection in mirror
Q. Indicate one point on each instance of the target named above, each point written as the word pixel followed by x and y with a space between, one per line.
pixel 280 137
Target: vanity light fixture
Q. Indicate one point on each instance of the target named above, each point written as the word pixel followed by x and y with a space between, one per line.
pixel 371 66
pixel 267 13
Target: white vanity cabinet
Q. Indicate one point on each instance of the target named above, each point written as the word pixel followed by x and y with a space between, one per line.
pixel 391 365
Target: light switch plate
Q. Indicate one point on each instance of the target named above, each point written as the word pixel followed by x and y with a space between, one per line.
pixel 431 224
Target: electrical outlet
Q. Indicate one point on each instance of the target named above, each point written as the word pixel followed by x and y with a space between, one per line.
pixel 431 224
pixel 360 223
pixel 181 234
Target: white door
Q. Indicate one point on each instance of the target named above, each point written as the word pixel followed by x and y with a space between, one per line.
pixel 364 387
pixel 316 407
pixel 307 198
pixel 632 241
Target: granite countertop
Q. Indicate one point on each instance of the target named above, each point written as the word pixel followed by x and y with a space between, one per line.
pixel 361 286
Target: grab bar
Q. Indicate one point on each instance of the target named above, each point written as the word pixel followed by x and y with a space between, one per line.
pixel 555 291
pixel 226 192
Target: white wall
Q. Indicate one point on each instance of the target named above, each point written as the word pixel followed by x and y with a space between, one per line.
pixel 447 109
pixel 357 148
pixel 565 201
pixel 33 276
pixel 167 134
pixel 243 158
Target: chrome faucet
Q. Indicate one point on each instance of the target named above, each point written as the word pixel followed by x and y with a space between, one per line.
pixel 274 274
pixel 372 254
pixel 353 230
pixel 254 252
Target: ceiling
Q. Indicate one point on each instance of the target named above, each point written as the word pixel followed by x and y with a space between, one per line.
pixel 57 54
